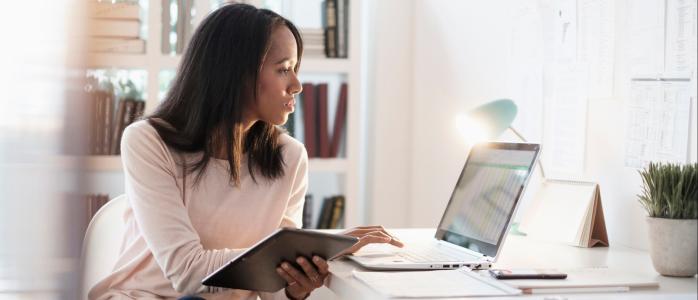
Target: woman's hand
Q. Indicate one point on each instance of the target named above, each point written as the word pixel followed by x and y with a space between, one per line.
pixel 370 235
pixel 302 282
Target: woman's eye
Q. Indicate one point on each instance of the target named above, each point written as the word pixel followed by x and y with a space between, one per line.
pixel 285 71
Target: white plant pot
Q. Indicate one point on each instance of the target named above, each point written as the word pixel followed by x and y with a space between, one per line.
pixel 673 246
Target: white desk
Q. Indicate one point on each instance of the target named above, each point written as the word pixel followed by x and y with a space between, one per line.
pixel 522 252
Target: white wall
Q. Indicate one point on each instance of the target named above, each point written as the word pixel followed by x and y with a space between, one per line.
pixel 390 102
pixel 460 51
pixel 459 59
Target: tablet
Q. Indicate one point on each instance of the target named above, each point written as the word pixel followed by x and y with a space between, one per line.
pixel 255 269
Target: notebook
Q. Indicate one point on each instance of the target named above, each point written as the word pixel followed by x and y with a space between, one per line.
pixel 567 211
pixel 477 218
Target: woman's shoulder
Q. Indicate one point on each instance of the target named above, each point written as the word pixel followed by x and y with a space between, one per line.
pixel 292 147
pixel 140 130
pixel 142 137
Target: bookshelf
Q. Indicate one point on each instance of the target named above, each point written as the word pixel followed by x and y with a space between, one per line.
pixel 153 62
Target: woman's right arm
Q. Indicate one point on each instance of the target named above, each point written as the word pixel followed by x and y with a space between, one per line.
pixel 156 199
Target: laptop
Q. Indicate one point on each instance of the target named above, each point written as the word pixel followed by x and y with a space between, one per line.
pixel 477 218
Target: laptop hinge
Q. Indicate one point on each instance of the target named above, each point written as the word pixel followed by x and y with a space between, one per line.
pixel 454 246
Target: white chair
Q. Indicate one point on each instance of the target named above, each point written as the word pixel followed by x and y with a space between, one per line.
pixel 102 243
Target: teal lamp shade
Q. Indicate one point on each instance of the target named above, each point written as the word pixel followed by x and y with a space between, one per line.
pixel 494 117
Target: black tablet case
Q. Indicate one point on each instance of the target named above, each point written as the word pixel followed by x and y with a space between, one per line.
pixel 255 269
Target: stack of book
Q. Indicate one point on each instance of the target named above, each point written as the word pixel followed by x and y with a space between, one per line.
pixel 313 42
pixel 106 127
pixel 335 17
pixel 314 109
pixel 331 214
pixel 115 27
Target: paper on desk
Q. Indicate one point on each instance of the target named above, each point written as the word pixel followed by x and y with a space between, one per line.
pixel 442 283
pixel 588 278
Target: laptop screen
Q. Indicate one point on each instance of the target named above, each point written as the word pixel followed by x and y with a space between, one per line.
pixel 486 195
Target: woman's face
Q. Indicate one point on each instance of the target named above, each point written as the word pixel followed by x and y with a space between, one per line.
pixel 278 82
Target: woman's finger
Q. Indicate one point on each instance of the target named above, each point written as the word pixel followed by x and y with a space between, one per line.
pixel 321 265
pixel 375 237
pixel 361 231
pixel 310 272
pixel 286 276
pixel 303 280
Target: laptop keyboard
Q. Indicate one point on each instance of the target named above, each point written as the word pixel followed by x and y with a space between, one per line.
pixel 431 254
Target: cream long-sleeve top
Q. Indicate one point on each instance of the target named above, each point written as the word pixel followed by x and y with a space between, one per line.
pixel 176 236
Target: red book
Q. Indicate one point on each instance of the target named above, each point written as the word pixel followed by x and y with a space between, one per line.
pixel 117 128
pixel 309 132
pixel 323 134
pixel 340 117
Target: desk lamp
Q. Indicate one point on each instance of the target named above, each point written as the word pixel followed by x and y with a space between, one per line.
pixel 489 120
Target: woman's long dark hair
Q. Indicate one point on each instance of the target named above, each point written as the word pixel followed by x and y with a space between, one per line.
pixel 216 80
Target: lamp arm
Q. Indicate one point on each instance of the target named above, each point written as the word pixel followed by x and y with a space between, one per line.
pixel 540 164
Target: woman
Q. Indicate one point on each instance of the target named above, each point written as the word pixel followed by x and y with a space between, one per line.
pixel 209 173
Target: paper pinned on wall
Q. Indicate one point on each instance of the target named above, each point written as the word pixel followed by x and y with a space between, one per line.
pixel 658 122
pixel 565 30
pixel 596 23
pixel 681 34
pixel 646 32
pixel 565 128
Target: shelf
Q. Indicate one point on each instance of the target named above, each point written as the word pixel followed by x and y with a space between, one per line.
pixel 142 61
pixel 325 65
pixel 131 61
pixel 113 163
pixel 92 162
pixel 327 165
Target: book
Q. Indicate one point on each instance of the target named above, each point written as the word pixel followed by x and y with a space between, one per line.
pixel 325 216
pixel 116 45
pixel 97 117
pixel 115 28
pixel 339 122
pixel 94 203
pixel 337 212
pixel 118 128
pixel 309 127
pixel 124 118
pixel 567 211
pixel 119 10
pixel 138 111
pixel 323 134
pixel 330 25
pixel 107 121
pixel 342 10
pixel 308 212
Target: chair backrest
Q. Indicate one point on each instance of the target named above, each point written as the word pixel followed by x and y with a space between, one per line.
pixel 100 248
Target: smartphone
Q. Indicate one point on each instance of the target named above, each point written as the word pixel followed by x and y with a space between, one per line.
pixel 527 274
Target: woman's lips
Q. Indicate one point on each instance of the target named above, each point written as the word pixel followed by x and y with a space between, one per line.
pixel 290 104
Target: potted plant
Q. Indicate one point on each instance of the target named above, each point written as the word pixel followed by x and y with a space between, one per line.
pixel 670 196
